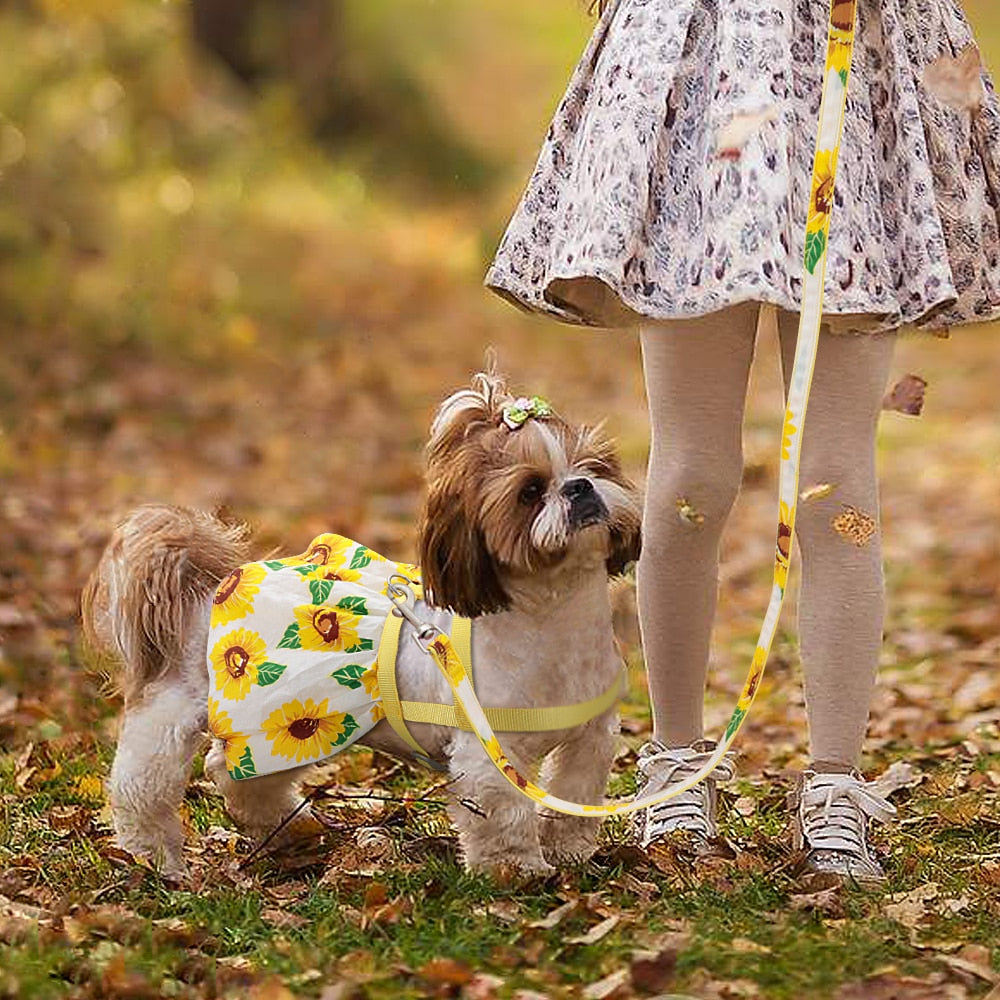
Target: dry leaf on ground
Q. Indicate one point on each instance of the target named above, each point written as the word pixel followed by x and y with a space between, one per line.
pixel 614 985
pixel 910 908
pixel 598 931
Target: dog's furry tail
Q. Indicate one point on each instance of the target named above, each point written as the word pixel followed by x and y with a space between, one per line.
pixel 160 562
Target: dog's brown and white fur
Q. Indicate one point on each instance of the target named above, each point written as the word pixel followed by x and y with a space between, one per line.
pixel 521 530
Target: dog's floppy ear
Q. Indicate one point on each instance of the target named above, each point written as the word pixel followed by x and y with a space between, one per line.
pixel 598 453
pixel 457 569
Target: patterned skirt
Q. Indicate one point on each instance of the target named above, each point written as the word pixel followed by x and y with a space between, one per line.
pixel 675 178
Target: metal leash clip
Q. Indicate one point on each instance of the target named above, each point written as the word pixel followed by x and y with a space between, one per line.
pixel 400 589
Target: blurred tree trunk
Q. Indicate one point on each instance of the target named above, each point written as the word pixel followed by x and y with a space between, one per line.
pixel 347 93
pixel 296 40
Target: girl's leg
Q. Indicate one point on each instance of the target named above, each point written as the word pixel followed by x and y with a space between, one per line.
pixel 696 381
pixel 842 596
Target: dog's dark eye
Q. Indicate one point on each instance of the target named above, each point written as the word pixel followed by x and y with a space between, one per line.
pixel 531 493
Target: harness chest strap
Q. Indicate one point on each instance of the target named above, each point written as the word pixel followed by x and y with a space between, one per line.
pixel 503 720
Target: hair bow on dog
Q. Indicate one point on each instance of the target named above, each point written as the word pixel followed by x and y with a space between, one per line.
pixel 516 414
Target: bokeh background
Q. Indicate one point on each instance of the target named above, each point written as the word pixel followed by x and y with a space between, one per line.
pixel 243 245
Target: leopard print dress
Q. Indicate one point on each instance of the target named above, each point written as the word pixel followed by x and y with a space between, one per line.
pixel 675 177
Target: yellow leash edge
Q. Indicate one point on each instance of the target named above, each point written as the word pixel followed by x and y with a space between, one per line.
pixel 840 47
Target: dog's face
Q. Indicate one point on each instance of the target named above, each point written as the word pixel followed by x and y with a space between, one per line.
pixel 505 504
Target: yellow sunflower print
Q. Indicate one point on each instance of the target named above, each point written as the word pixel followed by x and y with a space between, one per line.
pixel 341 574
pixel 839 55
pixel 233 598
pixel 784 545
pixel 221 728
pixel 753 680
pixel 370 680
pixel 235 659
pixel 821 199
pixel 786 435
pixel 304 732
pixel 328 550
pixel 322 627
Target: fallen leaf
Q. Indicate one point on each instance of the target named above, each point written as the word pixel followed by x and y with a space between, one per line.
pixel 271 988
pixel 748 947
pixel 734 135
pixel 121 983
pixel 283 920
pixel 825 901
pixel 482 986
pixel 954 906
pixel 597 932
pixel 708 988
pixel 652 971
pixel 445 972
pixel 8 703
pixel 609 986
pixel 957 80
pixel 377 894
pixel 981 970
pixel 555 917
pixel 899 774
pixel 505 910
pixel 906 396
pixel 341 991
pixel 910 908
pixel 890 986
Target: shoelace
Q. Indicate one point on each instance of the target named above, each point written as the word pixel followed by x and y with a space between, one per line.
pixel 835 810
pixel 690 809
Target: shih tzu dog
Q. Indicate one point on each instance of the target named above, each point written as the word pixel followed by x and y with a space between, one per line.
pixel 525 519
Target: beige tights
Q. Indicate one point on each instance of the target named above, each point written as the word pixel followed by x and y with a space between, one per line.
pixel 696 382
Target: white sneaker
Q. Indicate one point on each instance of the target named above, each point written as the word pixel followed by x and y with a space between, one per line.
pixel 694 810
pixel 832 818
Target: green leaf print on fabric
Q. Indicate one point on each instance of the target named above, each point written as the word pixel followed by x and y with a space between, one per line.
pixel 356 605
pixel 815 248
pixel 363 646
pixel 307 568
pixel 361 558
pixel 734 722
pixel 246 767
pixel 274 564
pixel 268 673
pixel 320 590
pixel 350 675
pixel 290 640
pixel 350 726
pixel 843 76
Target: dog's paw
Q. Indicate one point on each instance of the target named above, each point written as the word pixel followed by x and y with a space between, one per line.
pixel 508 869
pixel 566 842
pixel 569 855
pixel 168 864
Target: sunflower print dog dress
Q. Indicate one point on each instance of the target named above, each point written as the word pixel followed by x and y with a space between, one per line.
pixel 292 651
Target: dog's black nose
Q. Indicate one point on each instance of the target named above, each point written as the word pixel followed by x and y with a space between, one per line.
pixel 577 489
pixel 585 504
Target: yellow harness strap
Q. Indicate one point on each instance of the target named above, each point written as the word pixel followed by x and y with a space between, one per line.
pixel 503 720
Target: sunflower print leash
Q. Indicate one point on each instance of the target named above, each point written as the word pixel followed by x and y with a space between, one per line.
pixel 839 51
